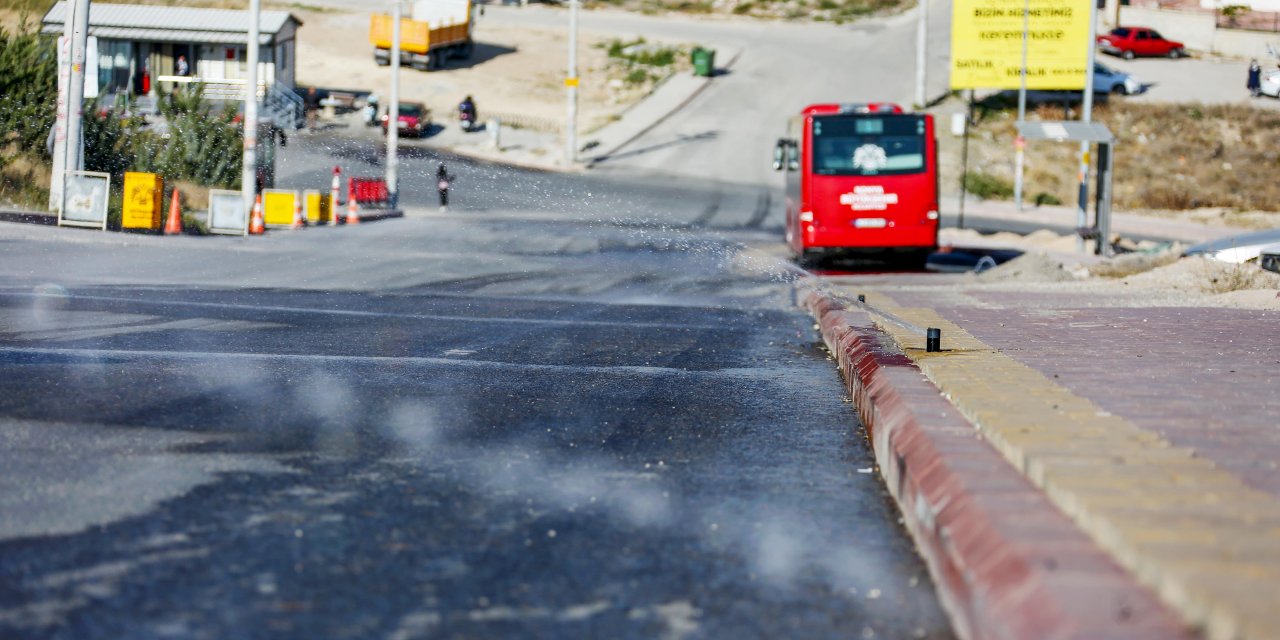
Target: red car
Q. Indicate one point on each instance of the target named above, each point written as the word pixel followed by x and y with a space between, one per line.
pixel 1130 42
pixel 414 120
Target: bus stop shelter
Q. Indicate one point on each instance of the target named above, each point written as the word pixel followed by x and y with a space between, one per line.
pixel 1093 133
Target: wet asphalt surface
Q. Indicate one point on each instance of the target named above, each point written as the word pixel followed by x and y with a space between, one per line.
pixel 619 434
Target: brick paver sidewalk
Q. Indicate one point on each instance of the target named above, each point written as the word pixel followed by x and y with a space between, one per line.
pixel 1155 429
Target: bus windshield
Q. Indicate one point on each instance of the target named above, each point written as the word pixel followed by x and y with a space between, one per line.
pixel 868 145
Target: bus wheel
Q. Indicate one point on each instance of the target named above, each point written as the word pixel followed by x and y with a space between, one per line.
pixel 808 259
pixel 914 259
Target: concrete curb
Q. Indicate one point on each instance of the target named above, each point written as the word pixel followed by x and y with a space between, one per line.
pixel 29 217
pixel 1005 562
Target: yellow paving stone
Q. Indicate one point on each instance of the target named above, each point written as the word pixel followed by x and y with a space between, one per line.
pixel 1201 538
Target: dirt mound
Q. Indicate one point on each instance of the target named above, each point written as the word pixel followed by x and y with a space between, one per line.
pixel 1134 263
pixel 1029 267
pixel 1201 275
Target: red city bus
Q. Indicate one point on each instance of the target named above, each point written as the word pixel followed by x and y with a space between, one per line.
pixel 860 178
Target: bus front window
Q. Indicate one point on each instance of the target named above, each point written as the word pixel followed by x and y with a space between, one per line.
pixel 868 146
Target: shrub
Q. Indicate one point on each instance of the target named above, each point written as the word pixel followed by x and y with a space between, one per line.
pixel 986 185
pixel 28 88
pixel 201 145
pixel 1047 198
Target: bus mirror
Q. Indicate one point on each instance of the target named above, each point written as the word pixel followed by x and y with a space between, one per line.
pixel 778 152
pixel 793 157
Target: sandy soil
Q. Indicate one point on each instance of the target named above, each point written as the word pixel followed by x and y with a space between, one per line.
pixel 514 71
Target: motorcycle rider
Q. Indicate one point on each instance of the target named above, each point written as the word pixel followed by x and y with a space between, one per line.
pixel 467 113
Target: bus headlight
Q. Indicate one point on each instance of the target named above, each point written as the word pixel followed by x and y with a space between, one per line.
pixel 806 216
pixel 932 215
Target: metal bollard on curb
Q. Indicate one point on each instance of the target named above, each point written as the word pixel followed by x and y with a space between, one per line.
pixel 933 340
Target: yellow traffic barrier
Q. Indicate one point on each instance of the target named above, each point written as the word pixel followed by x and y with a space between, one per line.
pixel 278 207
pixel 317 207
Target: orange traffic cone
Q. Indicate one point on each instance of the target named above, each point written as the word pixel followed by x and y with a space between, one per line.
pixel 353 210
pixel 299 222
pixel 173 225
pixel 257 225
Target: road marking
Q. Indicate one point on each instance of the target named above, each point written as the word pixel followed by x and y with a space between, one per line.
pixel 1206 542
pixel 374 314
pixel 772 374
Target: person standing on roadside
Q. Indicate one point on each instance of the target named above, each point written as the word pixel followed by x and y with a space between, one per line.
pixel 311 106
pixel 442 185
pixel 1254 85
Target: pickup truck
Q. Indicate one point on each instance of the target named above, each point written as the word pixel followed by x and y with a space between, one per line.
pixel 1129 42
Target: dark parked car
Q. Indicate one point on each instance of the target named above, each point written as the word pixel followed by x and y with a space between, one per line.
pixel 1129 42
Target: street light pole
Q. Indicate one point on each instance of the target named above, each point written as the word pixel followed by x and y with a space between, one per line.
pixel 393 112
pixel 1082 209
pixel 249 173
pixel 922 49
pixel 68 154
pixel 571 83
pixel 1019 143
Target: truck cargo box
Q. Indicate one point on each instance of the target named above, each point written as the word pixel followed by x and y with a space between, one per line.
pixel 439 29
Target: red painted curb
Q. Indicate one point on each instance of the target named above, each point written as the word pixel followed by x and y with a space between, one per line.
pixel 1006 563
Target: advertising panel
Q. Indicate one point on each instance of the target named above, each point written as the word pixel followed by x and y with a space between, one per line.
pixel 88 193
pixel 986 44
pixel 227 213
pixel 142 201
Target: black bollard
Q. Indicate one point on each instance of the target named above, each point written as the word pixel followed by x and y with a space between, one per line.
pixel 933 340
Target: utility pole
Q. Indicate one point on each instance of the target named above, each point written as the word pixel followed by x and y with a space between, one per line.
pixel 1019 143
pixel 1082 212
pixel 249 173
pixel 571 83
pixel 922 49
pixel 69 156
pixel 393 112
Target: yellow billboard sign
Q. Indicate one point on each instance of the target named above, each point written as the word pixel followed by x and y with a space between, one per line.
pixel 986 44
pixel 143 193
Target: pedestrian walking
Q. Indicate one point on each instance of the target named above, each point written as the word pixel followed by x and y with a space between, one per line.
pixel 1254 85
pixel 442 185
pixel 311 106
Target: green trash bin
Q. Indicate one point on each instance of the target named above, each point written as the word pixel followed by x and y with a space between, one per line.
pixel 704 62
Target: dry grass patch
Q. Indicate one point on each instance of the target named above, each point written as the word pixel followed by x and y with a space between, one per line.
pixel 1168 157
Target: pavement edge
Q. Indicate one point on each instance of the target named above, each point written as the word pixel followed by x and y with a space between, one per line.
pixel 1005 562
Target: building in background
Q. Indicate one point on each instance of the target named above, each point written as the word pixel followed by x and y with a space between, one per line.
pixel 138 51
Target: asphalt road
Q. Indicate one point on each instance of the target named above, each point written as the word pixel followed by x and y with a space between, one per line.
pixel 571 407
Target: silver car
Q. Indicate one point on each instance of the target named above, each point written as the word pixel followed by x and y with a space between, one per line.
pixel 1238 249
pixel 1108 80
